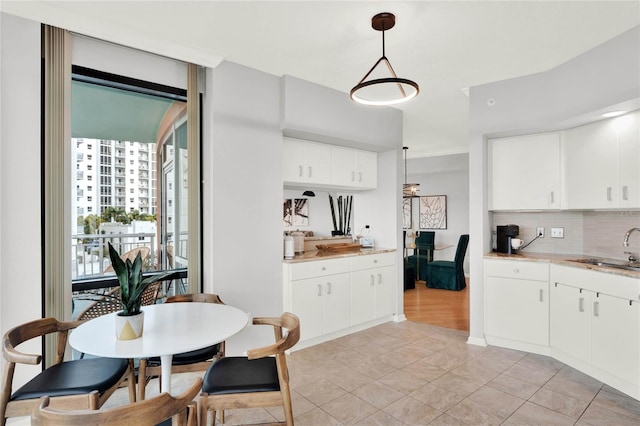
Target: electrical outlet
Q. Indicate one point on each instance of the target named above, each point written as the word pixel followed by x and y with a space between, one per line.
pixel 540 231
pixel 557 232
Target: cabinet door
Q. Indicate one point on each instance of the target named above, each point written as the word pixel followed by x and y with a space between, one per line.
pixel 615 345
pixel 591 166
pixel 366 169
pixel 343 171
pixel 336 308
pixel 570 321
pixel 363 301
pixel 292 161
pixel 517 309
pixel 525 172
pixel 385 290
pixel 306 302
pixel 317 158
pixel 628 128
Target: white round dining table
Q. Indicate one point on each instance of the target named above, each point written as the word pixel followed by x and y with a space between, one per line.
pixel 169 328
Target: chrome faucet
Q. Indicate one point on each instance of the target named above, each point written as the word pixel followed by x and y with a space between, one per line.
pixel 626 236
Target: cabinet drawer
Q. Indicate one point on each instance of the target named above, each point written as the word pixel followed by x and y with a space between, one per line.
pixel 537 271
pixel 372 261
pixel 300 271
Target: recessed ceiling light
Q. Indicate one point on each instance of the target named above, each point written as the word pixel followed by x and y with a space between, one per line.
pixel 613 114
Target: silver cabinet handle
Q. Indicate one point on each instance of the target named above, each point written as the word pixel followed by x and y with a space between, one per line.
pixel 379 278
pixel 309 171
pixel 581 304
pixel 552 198
pixel 324 268
pixel 375 260
pixel 353 176
pixel 372 279
pixel 609 193
pixel 300 171
pixel 541 295
pixel 596 309
pixel 360 178
pixel 328 288
pixel 319 289
pixel 516 271
pixel 625 193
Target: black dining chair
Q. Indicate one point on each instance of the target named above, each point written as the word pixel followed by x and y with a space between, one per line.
pixel 423 253
pixel 84 383
pixel 449 274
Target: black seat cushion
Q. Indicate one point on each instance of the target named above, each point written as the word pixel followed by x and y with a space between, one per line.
pixel 74 378
pixel 191 357
pixel 241 375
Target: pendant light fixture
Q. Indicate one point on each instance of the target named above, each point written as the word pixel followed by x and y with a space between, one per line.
pixel 409 190
pixel 388 90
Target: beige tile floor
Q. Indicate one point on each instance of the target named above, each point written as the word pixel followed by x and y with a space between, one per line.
pixel 417 374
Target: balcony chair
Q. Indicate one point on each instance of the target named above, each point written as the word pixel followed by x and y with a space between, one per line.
pixel 80 384
pixel 423 253
pixel 446 274
pixel 162 409
pixel 110 302
pixel 131 255
pixel 257 380
pixel 198 360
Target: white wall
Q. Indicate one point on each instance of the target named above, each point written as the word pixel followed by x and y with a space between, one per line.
pixel 20 206
pixel 560 98
pixel 242 195
pixel 444 175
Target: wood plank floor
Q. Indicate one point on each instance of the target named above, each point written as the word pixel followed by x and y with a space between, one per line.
pixel 445 308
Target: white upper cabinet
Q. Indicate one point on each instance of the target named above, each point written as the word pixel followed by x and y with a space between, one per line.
pixel 354 168
pixel 524 172
pixel 602 164
pixel 306 162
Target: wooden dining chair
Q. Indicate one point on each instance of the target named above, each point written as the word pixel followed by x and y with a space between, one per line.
pixel 198 360
pixel 158 410
pixel 261 379
pixel 69 384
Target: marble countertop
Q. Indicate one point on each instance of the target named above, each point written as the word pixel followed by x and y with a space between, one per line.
pixel 564 259
pixel 308 256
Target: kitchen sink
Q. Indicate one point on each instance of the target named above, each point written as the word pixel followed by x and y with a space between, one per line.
pixel 606 263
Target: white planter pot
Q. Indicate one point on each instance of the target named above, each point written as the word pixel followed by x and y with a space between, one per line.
pixel 129 327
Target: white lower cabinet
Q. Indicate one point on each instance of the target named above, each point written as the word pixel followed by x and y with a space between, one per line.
pixel 333 295
pixel 517 302
pixel 595 325
pixel 322 304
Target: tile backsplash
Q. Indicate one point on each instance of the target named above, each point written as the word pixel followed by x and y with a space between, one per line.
pixel 592 233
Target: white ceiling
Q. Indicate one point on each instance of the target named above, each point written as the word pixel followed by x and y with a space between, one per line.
pixel 445 46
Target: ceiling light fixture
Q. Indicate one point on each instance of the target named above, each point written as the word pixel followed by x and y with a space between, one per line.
pixel 409 190
pixel 384 91
pixel 613 114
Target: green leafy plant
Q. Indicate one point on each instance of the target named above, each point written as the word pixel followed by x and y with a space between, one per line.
pixel 132 286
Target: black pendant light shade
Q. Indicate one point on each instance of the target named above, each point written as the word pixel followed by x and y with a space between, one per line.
pixel 384 91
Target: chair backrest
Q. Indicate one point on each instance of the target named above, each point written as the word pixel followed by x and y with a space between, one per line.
pixel 131 255
pixel 111 302
pixel 463 242
pixel 144 413
pixel 30 330
pixel 195 297
pixel 287 321
pixel 426 238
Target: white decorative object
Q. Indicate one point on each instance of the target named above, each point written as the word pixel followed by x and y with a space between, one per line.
pixel 129 327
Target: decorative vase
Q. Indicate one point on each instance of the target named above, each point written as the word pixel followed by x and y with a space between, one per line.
pixel 129 327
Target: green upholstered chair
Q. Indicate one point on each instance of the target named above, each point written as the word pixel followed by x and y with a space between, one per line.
pixel 446 274
pixel 423 253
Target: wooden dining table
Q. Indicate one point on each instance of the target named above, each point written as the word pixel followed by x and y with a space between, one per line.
pixel 169 328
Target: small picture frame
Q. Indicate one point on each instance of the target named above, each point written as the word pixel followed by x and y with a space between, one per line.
pixel 407 219
pixel 295 212
pixel 433 212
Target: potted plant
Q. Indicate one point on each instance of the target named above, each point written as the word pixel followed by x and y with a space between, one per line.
pixel 130 320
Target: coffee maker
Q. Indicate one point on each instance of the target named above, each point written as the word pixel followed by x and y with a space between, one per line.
pixel 504 235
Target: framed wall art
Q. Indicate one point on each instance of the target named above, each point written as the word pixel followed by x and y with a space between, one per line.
pixel 433 212
pixel 407 219
pixel 295 212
